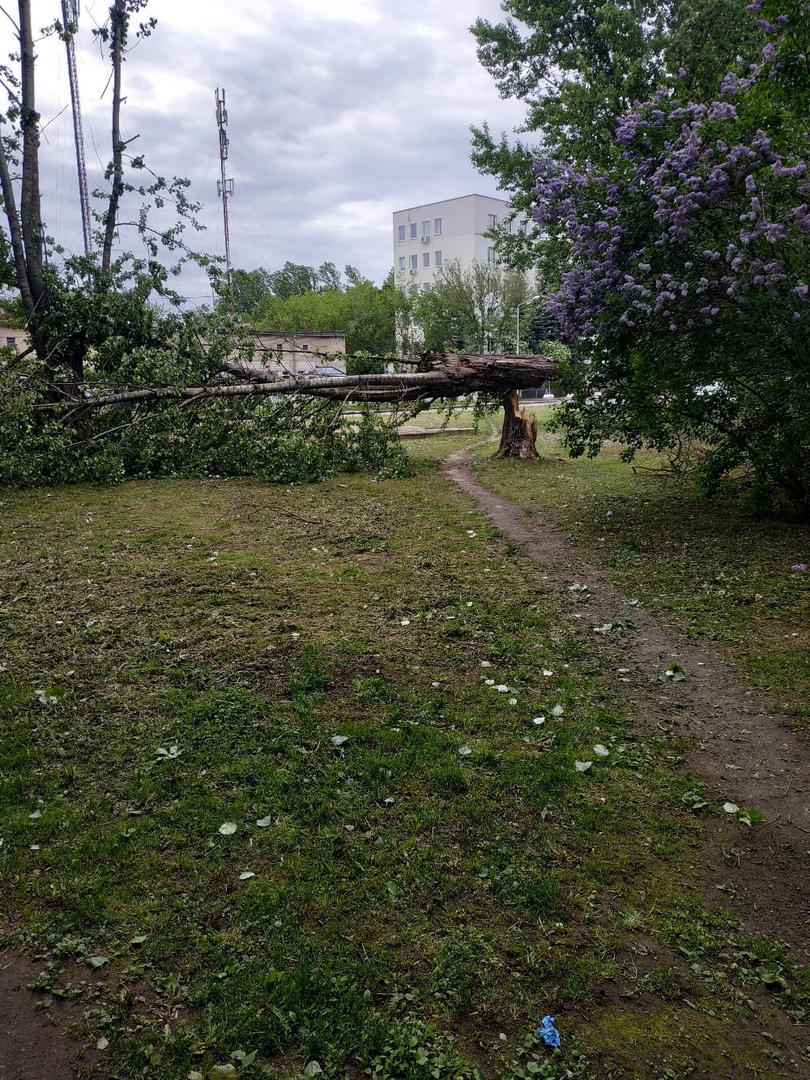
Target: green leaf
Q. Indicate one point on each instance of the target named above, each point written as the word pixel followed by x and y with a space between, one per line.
pixel 50 696
pixel 772 978
pixel 674 673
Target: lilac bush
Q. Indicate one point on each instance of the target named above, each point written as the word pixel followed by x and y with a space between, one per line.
pixel 686 288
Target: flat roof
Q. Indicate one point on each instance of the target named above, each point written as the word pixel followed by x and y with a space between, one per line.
pixel 454 198
pixel 299 333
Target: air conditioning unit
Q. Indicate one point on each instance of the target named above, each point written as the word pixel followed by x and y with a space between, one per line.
pixel 425 239
pixel 414 273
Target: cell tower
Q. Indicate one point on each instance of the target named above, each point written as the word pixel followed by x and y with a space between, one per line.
pixel 224 185
pixel 70 22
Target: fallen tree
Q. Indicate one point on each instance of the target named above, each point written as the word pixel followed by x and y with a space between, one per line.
pixel 438 376
pixel 122 380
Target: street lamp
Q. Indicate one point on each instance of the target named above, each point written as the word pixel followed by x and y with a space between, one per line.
pixel 531 300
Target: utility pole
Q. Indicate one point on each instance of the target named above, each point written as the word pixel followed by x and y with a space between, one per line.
pixel 224 185
pixel 70 23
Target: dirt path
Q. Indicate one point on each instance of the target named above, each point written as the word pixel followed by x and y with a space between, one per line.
pixel 741 753
pixel 33 1043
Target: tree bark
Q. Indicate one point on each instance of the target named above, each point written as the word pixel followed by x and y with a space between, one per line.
pixel 119 18
pixel 30 211
pixel 15 232
pixel 440 375
pixel 519 431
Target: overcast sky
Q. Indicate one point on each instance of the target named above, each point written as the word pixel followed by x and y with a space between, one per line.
pixel 340 112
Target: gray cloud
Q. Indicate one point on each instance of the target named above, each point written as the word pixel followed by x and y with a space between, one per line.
pixel 339 114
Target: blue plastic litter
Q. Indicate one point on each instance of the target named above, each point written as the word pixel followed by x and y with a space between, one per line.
pixel 548 1033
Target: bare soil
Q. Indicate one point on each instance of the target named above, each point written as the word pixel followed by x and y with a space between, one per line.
pixel 33 1043
pixel 741 752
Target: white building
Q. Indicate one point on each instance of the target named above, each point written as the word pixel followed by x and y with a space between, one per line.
pixel 426 237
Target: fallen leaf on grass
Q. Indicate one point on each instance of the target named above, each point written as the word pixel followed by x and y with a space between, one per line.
pixel 246 875
pixel 582 766
pixel 265 821
pixel 50 696
pixel 674 673
pixel 339 740
pixel 227 828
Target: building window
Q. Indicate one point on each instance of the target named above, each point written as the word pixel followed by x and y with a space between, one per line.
pixel 11 341
pixel 425 228
pixel 413 230
pixel 279 347
pixel 404 290
pixel 438 258
pixel 491 255
pixel 402 262
pixel 414 262
pixel 492 220
pixel 425 286
pixel 426 259
pixel 305 346
pixel 437 226
pixel 401 233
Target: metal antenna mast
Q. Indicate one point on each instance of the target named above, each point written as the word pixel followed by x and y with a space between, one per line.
pixel 70 20
pixel 224 185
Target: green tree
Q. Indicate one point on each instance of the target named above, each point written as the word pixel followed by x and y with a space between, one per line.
pixel 45 293
pixel 578 65
pixel 687 288
pixel 470 309
pixel 361 310
pixel 293 279
pixel 249 289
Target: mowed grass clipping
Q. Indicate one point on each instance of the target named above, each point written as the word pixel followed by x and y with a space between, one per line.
pixel 289 787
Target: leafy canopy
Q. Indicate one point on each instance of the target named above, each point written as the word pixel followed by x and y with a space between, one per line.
pixel 686 287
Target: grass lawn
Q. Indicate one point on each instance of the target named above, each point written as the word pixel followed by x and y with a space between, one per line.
pixel 708 567
pixel 276 799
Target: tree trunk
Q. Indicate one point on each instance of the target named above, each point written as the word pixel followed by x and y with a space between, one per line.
pixel 519 432
pixel 119 19
pixel 30 213
pixel 440 375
